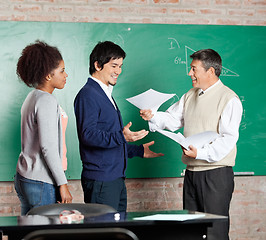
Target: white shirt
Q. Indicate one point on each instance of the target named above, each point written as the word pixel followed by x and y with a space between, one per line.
pixel 229 123
pixel 107 89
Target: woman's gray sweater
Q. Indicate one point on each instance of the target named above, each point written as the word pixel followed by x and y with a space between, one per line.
pixel 41 139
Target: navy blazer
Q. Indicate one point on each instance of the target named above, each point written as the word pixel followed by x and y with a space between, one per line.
pixel 103 148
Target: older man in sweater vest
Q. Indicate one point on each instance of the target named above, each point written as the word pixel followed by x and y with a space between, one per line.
pixel 208 106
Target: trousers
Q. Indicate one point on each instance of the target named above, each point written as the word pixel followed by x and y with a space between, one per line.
pixel 112 193
pixel 211 192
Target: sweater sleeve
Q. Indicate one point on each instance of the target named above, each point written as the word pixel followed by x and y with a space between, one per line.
pixel 48 129
pixel 135 151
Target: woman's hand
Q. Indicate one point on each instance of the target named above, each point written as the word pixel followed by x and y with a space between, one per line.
pixel 66 196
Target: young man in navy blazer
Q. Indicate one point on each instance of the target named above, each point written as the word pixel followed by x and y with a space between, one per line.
pixel 103 140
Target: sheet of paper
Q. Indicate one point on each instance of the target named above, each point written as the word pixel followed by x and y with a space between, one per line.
pixel 150 99
pixel 171 217
pixel 197 140
pixel 178 137
pixel 200 139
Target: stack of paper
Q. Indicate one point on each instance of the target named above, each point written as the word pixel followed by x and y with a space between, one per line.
pixel 197 140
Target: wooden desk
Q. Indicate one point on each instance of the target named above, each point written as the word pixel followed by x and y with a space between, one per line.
pixel 17 227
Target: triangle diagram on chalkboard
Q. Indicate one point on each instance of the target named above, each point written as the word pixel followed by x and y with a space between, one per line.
pixel 225 71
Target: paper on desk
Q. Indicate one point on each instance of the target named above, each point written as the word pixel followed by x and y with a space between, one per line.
pixel 197 140
pixel 171 217
pixel 150 99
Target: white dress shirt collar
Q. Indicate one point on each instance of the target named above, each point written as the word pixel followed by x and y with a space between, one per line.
pixel 211 86
pixel 107 89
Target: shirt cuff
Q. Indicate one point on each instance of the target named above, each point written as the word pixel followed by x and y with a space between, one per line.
pixel 201 154
pixel 152 124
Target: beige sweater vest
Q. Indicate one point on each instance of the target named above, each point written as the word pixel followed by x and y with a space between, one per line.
pixel 202 113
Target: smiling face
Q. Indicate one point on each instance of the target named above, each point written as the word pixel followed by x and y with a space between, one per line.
pixel 110 71
pixel 200 77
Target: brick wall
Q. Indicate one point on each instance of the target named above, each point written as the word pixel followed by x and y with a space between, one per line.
pixel 248 210
pixel 225 12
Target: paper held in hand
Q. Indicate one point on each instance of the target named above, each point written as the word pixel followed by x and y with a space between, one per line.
pixel 150 99
pixel 197 140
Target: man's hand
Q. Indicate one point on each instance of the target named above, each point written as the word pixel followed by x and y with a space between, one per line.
pixel 148 153
pixel 192 152
pixel 133 136
pixel 146 114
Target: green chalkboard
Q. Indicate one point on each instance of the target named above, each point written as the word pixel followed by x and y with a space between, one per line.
pixel 158 58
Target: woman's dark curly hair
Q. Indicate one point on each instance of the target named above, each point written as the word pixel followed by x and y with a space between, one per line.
pixel 36 62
